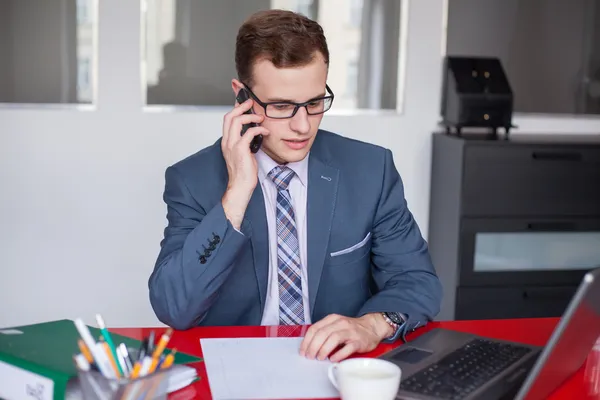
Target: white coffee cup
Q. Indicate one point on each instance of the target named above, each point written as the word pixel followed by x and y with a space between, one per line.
pixel 365 378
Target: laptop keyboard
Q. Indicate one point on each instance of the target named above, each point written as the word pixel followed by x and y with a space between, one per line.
pixel 465 369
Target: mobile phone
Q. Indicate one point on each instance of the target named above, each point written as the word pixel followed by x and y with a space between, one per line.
pixel 241 97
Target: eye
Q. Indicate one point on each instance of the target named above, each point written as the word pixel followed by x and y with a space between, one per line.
pixel 315 103
pixel 282 107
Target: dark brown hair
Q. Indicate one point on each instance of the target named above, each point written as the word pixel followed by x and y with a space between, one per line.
pixel 285 38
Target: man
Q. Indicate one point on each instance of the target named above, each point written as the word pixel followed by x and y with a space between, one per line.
pixel 313 229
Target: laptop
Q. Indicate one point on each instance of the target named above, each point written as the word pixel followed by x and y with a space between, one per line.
pixel 447 364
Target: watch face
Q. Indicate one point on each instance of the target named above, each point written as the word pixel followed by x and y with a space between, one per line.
pixel 395 317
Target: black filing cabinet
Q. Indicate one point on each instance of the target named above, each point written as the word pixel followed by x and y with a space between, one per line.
pixel 514 222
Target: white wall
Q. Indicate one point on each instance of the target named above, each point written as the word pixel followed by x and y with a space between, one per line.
pixel 81 212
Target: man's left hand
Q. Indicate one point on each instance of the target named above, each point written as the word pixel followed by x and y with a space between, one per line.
pixel 355 335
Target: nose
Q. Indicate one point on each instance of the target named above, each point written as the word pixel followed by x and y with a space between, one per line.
pixel 299 122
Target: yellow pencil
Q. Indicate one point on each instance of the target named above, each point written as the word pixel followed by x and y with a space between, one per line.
pixel 169 360
pixel 136 369
pixel 160 347
pixel 153 365
pixel 85 351
pixel 112 360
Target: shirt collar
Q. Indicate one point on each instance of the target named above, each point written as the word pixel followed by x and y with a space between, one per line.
pixel 266 164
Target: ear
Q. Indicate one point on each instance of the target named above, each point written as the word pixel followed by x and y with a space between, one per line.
pixel 236 86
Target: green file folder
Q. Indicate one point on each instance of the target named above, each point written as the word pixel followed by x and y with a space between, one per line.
pixel 46 351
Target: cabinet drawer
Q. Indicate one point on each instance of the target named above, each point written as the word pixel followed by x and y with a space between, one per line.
pixel 531 180
pixel 512 302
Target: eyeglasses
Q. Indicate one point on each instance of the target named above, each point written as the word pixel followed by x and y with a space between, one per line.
pixel 287 109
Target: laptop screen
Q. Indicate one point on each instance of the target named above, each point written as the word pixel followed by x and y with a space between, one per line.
pixel 570 343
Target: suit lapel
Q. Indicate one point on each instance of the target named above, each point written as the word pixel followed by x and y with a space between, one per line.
pixel 322 191
pixel 255 226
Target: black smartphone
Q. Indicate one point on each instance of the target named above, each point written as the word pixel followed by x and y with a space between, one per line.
pixel 241 97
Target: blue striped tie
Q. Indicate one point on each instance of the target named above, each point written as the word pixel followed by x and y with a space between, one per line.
pixel 291 311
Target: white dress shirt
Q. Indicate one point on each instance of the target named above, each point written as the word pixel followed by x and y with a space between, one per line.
pixel 298 189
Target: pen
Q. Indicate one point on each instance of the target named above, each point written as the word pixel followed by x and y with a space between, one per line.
pixel 161 360
pixel 109 342
pixel 143 350
pixel 146 364
pixel 123 361
pixel 101 360
pixel 126 356
pixel 81 362
pixel 150 346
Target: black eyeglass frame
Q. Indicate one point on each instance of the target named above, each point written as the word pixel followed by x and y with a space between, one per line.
pixel 296 105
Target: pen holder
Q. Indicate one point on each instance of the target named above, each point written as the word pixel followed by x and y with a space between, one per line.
pixel 94 386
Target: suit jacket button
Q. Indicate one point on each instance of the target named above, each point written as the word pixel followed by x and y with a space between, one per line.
pixel 212 246
pixel 202 260
pixel 217 239
pixel 207 253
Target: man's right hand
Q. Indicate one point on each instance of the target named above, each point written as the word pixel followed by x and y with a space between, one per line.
pixel 241 163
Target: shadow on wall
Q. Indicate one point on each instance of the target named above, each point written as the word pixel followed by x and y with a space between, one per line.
pixel 176 87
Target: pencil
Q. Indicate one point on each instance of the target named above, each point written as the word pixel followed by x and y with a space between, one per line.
pixel 153 365
pixel 137 367
pixel 99 357
pixel 85 351
pixel 113 362
pixel 160 347
pixel 169 360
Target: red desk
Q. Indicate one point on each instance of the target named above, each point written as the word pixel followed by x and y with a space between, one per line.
pixel 531 331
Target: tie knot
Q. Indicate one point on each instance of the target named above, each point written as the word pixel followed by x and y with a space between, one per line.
pixel 281 176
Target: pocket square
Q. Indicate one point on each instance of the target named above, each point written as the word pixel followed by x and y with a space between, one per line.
pixel 352 248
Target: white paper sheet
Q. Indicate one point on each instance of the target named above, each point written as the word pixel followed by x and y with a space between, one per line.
pixel 263 368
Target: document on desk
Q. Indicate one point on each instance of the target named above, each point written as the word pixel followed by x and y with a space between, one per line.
pixel 263 368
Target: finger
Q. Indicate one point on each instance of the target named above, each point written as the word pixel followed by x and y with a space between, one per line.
pixel 314 328
pixel 334 340
pixel 345 352
pixel 243 119
pixel 251 133
pixel 238 109
pixel 319 339
pixel 226 126
pixel 235 131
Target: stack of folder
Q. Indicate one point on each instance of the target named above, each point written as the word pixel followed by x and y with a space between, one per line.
pixel 38 360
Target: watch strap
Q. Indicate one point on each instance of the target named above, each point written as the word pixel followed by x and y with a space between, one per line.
pixel 398 327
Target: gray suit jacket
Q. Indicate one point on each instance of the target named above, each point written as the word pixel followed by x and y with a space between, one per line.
pixel 207 273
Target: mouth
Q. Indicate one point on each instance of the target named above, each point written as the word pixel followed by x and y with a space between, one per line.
pixel 296 144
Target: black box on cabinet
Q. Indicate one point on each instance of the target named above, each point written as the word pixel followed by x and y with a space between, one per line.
pixel 475 93
pixel 514 224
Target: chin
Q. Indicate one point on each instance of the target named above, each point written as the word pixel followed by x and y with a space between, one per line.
pixel 295 156
pixel 284 153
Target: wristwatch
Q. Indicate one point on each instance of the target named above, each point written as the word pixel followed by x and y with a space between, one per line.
pixel 395 320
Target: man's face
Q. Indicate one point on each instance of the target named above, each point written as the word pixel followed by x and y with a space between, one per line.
pixel 290 139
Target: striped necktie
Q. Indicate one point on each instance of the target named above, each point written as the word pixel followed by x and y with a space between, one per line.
pixel 291 310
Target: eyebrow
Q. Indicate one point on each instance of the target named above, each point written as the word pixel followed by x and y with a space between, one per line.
pixel 284 100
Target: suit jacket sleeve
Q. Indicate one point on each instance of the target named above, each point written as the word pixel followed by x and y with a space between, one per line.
pixel 401 266
pixel 182 288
